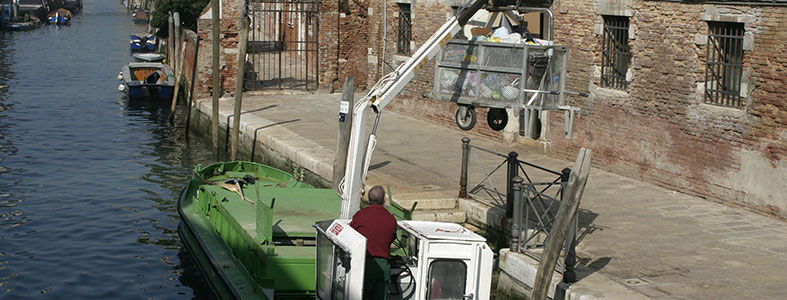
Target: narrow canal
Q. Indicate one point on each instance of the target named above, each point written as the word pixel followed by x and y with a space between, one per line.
pixel 88 183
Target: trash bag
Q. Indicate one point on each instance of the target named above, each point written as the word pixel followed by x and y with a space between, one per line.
pixel 448 78
pixel 510 92
pixel 501 32
pixel 152 78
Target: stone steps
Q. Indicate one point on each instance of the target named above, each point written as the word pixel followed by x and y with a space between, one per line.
pixel 432 206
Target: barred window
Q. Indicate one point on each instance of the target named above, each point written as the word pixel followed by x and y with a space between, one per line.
pixel 724 64
pixel 615 55
pixel 404 32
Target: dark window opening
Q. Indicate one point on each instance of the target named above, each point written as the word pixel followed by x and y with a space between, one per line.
pixel 615 55
pixel 724 64
pixel 447 279
pixel 404 32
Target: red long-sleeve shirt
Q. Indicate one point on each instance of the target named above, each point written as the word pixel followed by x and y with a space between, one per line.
pixel 378 226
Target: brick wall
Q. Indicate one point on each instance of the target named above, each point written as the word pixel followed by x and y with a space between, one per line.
pixel 228 60
pixel 344 40
pixel 659 129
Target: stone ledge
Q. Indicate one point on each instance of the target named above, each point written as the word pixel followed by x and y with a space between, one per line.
pixel 518 272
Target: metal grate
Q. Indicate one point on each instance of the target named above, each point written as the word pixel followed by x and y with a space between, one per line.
pixel 283 45
pixel 615 55
pixel 405 31
pixel 724 64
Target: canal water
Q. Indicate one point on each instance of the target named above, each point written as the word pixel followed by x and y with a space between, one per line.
pixel 88 182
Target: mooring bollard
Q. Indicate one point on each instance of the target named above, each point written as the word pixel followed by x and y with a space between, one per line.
pixel 465 162
pixel 513 171
pixel 517 219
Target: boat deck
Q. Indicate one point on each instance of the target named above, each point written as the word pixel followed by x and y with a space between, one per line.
pixel 270 242
pixel 294 210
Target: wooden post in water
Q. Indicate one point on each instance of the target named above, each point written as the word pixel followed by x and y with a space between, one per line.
pixel 193 80
pixel 176 43
pixel 176 63
pixel 178 78
pixel 214 120
pixel 242 42
pixel 557 236
pixel 348 101
pixel 171 28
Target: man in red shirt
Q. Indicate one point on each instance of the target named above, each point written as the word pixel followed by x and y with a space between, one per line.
pixel 379 227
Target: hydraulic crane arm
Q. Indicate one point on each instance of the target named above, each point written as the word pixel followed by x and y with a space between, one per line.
pixel 358 156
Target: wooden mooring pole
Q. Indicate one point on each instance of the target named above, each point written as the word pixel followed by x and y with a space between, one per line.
pixel 242 43
pixel 178 80
pixel 191 88
pixel 170 28
pixel 345 124
pixel 214 119
pixel 557 236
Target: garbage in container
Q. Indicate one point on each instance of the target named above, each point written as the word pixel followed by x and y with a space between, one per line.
pixel 448 78
pixel 510 92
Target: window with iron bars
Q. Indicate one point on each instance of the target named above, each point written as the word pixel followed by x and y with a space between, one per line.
pixel 724 64
pixel 615 55
pixel 404 32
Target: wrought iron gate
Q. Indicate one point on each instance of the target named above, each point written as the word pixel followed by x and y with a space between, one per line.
pixel 283 45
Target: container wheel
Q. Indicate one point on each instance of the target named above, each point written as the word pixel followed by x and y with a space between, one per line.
pixel 465 118
pixel 497 118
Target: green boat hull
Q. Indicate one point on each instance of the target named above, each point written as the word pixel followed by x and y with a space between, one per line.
pixel 263 250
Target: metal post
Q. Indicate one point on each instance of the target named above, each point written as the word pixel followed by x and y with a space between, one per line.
pixel 569 275
pixel 517 219
pixel 513 171
pixel 465 164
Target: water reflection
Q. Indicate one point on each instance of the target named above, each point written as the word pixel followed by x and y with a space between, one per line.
pixel 88 183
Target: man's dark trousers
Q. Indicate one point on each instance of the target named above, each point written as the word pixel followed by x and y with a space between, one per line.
pixel 375 284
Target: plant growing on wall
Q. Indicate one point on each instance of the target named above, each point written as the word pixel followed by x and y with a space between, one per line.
pixel 189 11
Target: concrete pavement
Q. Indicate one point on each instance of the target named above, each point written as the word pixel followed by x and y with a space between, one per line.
pixel 637 240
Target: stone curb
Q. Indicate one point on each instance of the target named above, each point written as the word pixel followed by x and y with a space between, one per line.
pixel 518 272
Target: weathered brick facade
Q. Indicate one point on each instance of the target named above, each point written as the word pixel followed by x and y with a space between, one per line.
pixel 228 60
pixel 658 129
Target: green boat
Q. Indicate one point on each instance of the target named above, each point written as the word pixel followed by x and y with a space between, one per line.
pixel 248 227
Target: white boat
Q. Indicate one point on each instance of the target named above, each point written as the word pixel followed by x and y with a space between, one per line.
pixel 149 57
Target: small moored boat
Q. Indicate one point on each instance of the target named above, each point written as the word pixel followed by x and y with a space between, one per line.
pixel 142 42
pixel 144 80
pixel 60 16
pixel 140 16
pixel 248 228
pixel 149 57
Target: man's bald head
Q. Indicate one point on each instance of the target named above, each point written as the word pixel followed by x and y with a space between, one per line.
pixel 377 195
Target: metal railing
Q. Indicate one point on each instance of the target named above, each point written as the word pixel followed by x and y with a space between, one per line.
pixel 531 201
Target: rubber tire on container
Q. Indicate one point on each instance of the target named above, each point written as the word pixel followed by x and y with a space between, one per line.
pixel 467 121
pixel 497 118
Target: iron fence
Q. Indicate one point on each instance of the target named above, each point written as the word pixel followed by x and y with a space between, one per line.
pixel 283 45
pixel 531 199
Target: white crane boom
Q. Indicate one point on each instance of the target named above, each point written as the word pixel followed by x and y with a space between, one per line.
pixel 379 96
